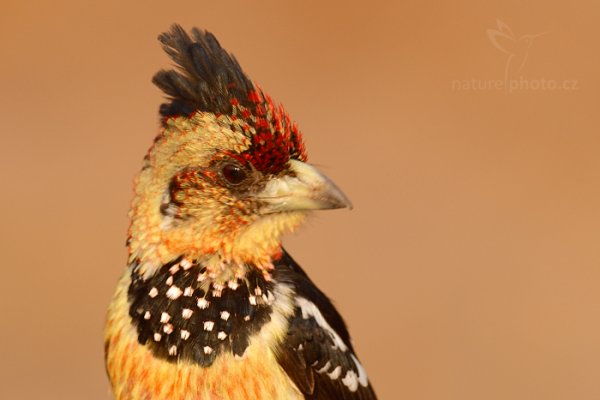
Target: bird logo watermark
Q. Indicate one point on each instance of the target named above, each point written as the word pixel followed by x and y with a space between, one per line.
pixel 517 49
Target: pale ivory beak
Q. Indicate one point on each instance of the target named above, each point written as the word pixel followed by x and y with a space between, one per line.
pixel 309 189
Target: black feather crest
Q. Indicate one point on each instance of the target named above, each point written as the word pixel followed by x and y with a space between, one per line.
pixel 207 78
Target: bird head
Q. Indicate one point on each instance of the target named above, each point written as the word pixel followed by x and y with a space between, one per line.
pixel 227 174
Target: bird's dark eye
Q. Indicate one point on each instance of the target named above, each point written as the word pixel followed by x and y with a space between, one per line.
pixel 233 173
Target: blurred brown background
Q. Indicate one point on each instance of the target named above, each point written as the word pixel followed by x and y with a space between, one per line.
pixel 469 268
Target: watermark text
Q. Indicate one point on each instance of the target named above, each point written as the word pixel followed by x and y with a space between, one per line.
pixel 514 85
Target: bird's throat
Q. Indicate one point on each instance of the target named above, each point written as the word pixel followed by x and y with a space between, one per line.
pixel 224 250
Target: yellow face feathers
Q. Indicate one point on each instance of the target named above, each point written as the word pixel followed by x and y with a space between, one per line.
pixel 183 204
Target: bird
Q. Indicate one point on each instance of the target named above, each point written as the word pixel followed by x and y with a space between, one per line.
pixel 211 305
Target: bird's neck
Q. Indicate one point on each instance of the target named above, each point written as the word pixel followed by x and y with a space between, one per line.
pixel 154 240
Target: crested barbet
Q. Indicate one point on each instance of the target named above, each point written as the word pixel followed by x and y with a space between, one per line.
pixel 211 306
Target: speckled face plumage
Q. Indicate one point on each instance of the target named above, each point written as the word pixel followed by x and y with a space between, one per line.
pixel 222 140
pixel 261 143
pixel 209 168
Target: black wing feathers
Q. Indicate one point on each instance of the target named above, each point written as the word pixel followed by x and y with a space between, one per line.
pixel 307 289
pixel 310 348
pixel 207 78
